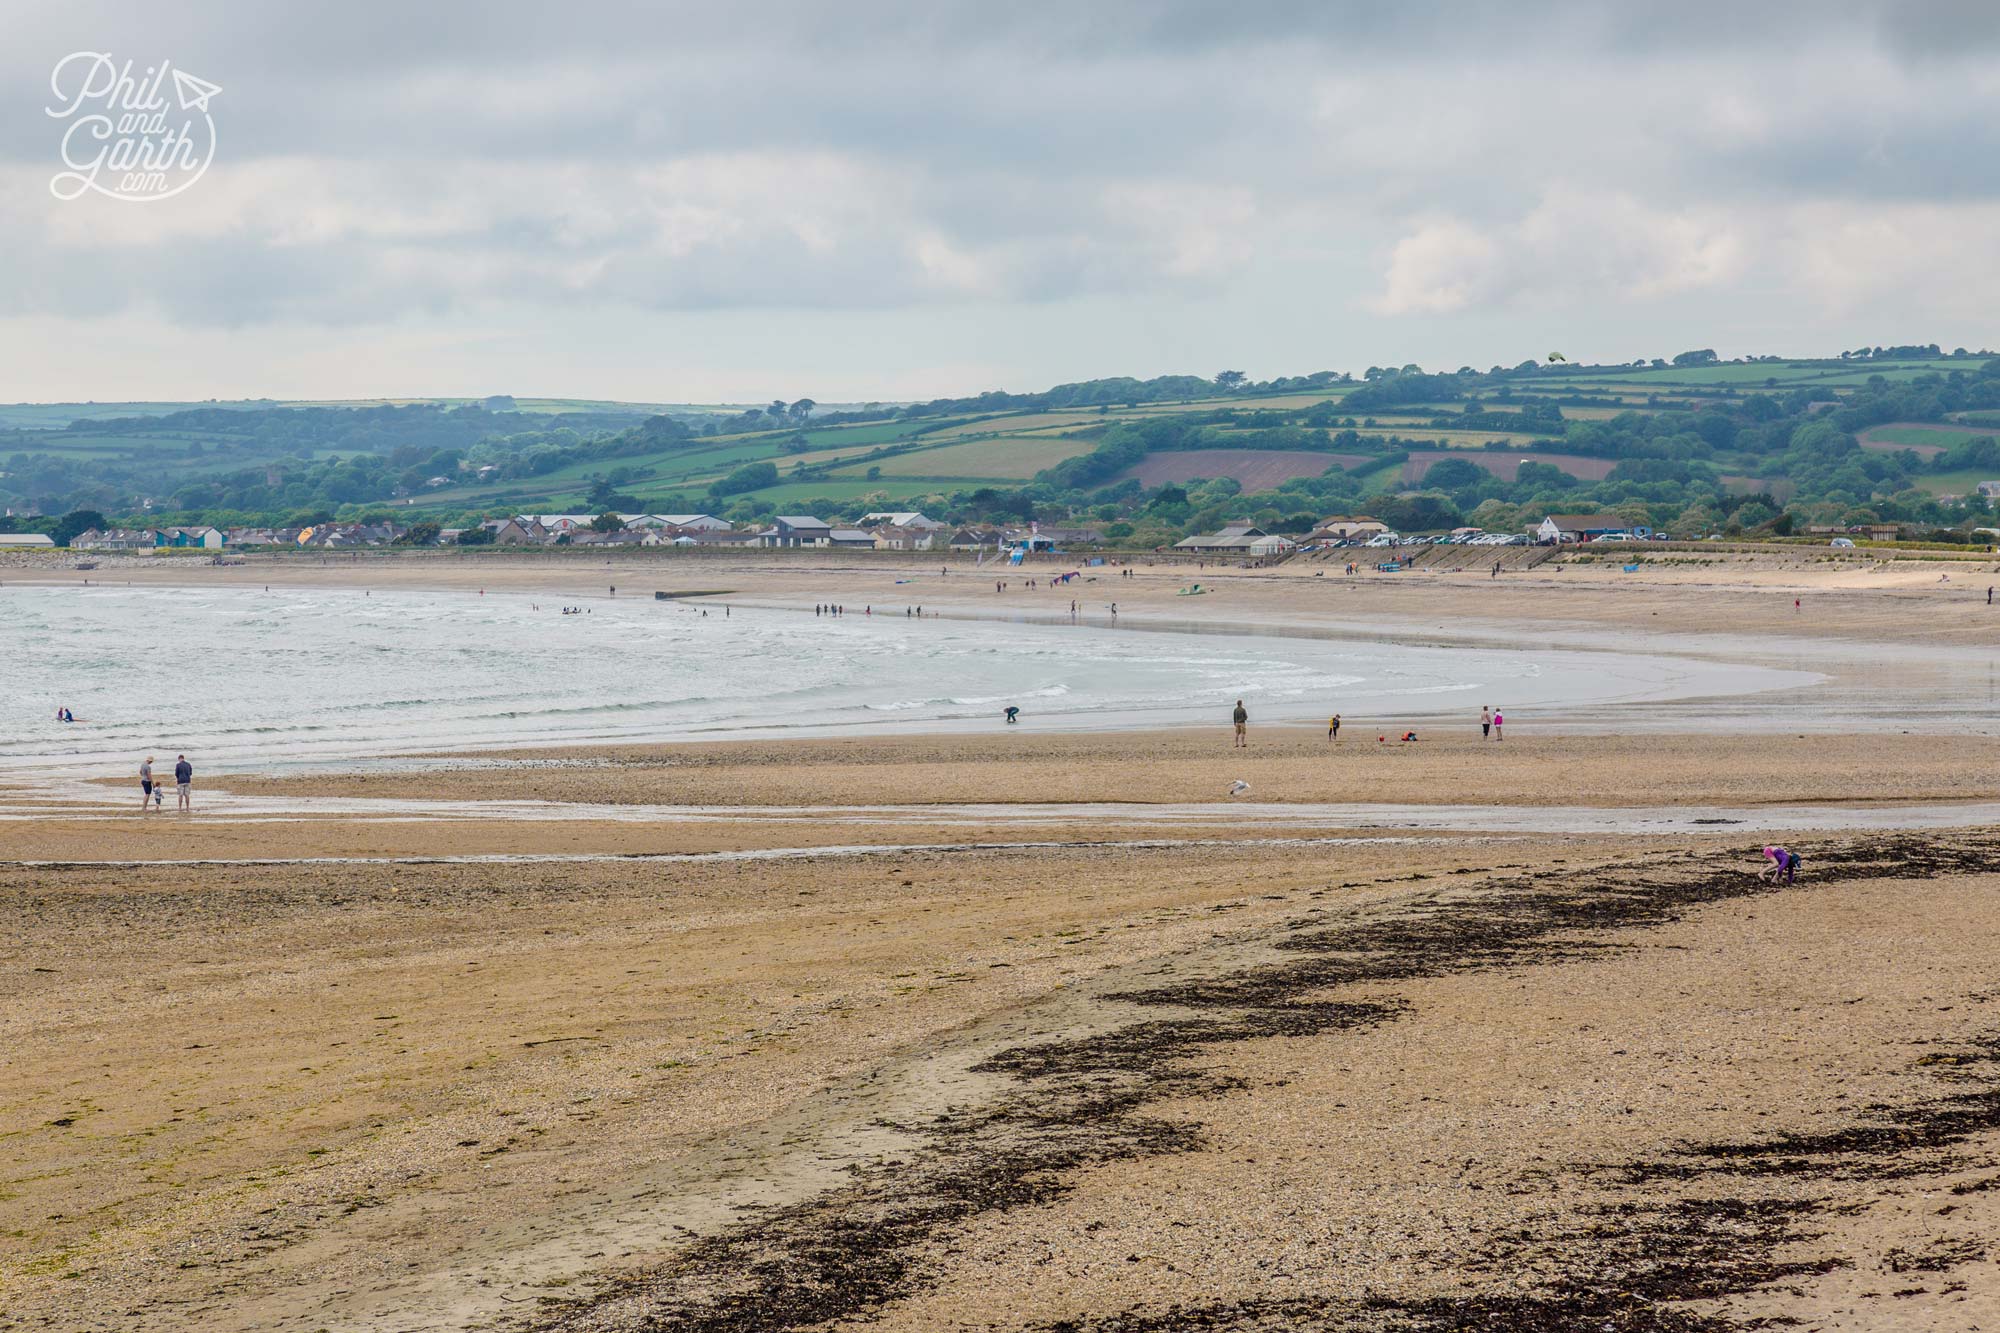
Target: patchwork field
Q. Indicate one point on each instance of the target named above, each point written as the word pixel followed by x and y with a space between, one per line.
pixel 1921 437
pixel 1506 466
pixel 1004 458
pixel 1015 424
pixel 1778 488
pixel 1287 401
pixel 1256 469
pixel 1959 481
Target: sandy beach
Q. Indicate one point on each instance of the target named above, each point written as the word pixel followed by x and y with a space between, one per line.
pixel 1029 1029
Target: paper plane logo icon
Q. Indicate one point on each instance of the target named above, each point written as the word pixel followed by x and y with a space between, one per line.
pixel 194 93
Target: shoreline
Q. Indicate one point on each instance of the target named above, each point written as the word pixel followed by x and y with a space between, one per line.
pixel 1043 1028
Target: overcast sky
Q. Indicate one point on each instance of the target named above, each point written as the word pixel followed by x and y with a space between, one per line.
pixel 735 202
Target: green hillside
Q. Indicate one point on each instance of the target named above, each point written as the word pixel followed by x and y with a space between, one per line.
pixel 1693 441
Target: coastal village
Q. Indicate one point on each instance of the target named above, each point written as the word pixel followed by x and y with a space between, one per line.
pixel 882 531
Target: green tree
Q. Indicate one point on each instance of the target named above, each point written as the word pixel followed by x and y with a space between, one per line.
pixel 749 477
pixel 1226 380
pixel 75 523
pixel 607 522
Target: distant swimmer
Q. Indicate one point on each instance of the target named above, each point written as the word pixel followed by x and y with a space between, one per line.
pixel 1013 714
pixel 1239 788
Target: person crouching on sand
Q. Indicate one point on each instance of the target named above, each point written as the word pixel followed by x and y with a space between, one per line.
pixel 1783 867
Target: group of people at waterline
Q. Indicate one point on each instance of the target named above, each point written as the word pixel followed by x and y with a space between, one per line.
pixel 1492 726
pixel 154 793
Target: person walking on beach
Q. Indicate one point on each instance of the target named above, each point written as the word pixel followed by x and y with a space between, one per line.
pixel 1333 728
pixel 1485 724
pixel 183 780
pixel 1499 722
pixel 1241 717
pixel 145 783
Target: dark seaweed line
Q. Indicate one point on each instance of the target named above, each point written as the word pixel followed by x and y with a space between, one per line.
pixel 1081 1102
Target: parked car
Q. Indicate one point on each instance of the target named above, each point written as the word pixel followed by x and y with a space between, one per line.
pixel 1844 543
pixel 1384 539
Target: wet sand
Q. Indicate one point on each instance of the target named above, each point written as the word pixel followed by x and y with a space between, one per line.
pixel 1173 1065
pixel 1889 598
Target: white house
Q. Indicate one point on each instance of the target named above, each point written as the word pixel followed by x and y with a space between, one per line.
pixel 1586 527
pixel 899 537
pixel 1347 528
pixel 557 525
pixel 797 530
pixel 1237 539
pixel 693 522
pixel 907 519
pixel 208 539
pixel 115 539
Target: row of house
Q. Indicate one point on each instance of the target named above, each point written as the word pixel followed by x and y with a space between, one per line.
pixel 1247 539
pixel 902 530
pixel 146 539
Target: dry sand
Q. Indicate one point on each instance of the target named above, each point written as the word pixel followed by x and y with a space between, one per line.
pixel 1156 1074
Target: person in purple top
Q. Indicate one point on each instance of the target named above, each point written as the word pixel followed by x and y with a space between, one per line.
pixel 1784 867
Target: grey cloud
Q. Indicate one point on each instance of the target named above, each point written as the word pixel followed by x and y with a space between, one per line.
pixel 1039 150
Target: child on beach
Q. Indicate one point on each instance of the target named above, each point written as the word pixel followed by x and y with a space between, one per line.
pixel 1784 867
pixel 1333 727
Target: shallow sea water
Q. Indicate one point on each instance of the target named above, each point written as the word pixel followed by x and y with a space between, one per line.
pixel 244 678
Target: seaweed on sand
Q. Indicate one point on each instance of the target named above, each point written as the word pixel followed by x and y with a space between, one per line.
pixel 1083 1101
